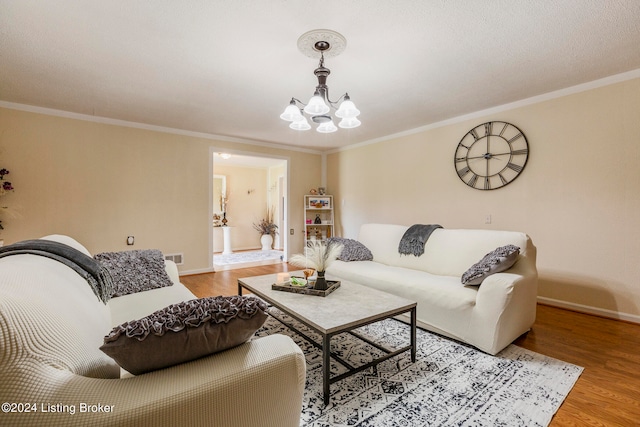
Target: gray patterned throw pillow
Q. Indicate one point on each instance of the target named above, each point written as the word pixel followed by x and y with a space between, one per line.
pixel 190 330
pixel 135 271
pixel 352 249
pixel 500 259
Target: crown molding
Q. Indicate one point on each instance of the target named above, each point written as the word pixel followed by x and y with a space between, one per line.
pixel 606 81
pixel 154 128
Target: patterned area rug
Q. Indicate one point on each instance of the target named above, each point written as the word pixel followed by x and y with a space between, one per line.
pixel 249 256
pixel 451 384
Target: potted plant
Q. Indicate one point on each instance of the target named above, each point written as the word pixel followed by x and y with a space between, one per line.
pixel 267 229
pixel 319 256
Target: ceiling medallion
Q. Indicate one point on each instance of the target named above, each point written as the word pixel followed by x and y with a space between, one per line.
pixel 318 44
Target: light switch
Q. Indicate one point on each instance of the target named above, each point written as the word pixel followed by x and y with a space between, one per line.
pixel 130 240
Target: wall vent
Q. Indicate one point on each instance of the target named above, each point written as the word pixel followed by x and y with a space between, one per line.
pixel 177 258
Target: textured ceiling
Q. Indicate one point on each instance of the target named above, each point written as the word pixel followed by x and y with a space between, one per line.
pixel 229 68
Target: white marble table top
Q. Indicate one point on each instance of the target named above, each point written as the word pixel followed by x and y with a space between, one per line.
pixel 349 305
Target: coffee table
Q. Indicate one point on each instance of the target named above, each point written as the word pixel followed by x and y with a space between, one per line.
pixel 348 307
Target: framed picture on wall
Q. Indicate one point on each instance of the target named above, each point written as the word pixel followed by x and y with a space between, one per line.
pixel 320 202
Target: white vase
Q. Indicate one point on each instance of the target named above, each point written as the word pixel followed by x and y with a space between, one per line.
pixel 266 240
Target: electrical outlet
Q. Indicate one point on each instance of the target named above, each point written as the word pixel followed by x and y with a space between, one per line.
pixel 130 240
pixel 487 219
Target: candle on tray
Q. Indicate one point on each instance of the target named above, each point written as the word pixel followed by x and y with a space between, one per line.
pixel 282 278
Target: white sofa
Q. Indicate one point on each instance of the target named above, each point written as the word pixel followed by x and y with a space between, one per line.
pixel 489 316
pixel 53 373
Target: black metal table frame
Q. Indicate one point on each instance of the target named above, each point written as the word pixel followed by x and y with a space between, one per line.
pixel 327 380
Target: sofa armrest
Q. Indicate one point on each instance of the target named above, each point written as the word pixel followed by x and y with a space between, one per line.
pixel 257 383
pixel 172 270
pixel 505 308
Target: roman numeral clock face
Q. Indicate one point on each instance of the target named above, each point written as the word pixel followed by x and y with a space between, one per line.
pixel 491 155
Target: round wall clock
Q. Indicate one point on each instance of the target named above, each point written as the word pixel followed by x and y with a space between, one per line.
pixel 491 155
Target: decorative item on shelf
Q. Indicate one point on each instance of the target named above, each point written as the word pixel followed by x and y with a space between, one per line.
pixel 319 256
pixel 5 186
pixel 317 220
pixel 320 202
pixel 321 191
pixel 224 201
pixel 267 229
pixel 313 191
pixel 317 44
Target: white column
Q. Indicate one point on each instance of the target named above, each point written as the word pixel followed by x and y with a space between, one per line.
pixel 226 240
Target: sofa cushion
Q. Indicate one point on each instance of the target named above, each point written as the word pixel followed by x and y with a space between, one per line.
pixel 383 240
pixel 141 304
pixel 450 252
pixel 500 259
pixel 442 302
pixel 135 271
pixel 352 250
pixel 183 332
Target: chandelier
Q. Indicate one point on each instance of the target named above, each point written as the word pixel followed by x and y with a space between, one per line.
pixel 319 106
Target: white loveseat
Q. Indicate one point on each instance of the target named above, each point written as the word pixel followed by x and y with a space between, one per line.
pixel 53 373
pixel 489 316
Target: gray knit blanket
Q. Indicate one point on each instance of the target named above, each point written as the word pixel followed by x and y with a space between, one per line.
pixel 88 268
pixel 414 239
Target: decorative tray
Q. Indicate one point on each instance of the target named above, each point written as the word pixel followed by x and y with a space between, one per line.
pixel 332 285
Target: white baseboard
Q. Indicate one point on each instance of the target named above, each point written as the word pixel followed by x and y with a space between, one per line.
pixel 197 271
pixel 241 248
pixel 590 310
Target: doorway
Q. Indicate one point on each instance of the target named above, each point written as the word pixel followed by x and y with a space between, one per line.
pixel 247 188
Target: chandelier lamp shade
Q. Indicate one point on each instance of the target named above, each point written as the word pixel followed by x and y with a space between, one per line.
pixel 319 106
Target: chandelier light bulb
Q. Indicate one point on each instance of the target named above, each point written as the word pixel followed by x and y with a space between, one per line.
pixel 349 123
pixel 291 113
pixel 301 124
pixel 327 127
pixel 316 106
pixel 347 109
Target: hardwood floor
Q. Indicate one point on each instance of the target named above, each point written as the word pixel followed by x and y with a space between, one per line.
pixel 606 394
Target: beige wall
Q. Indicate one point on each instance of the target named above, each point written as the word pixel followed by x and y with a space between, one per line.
pixel 101 182
pixel 578 197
